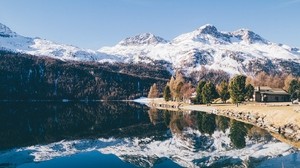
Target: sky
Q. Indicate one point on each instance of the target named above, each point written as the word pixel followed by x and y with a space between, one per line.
pixel 97 23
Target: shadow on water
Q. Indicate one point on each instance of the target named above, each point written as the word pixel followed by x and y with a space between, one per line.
pixel 24 124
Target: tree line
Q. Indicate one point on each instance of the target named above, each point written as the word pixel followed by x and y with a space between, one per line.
pixel 237 89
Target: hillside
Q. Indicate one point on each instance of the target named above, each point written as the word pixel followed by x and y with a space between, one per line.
pixel 26 77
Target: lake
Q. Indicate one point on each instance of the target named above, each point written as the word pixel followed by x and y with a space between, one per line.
pixel 126 134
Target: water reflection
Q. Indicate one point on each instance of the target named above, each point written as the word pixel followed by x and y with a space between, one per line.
pixel 135 134
pixel 207 124
pixel 24 124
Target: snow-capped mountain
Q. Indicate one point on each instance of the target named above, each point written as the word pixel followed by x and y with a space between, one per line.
pixel 241 51
pixel 142 39
pixel 12 41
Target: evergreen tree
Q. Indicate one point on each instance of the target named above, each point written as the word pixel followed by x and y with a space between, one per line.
pixel 209 93
pixel 153 92
pixel 223 91
pixel 237 134
pixel 167 93
pixel 249 92
pixel 199 92
pixel 237 88
pixel 293 89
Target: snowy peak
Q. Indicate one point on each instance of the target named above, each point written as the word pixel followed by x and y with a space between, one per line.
pixel 142 39
pixel 208 29
pixel 209 34
pixel 6 31
pixel 236 52
pixel 248 36
pixel 205 34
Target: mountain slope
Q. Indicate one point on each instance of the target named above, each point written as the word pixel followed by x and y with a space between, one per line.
pixel 26 77
pixel 14 42
pixel 241 51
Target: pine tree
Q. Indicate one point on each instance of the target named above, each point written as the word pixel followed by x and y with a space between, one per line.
pixel 209 93
pixel 249 92
pixel 153 92
pixel 237 88
pixel 199 92
pixel 293 89
pixel 223 91
pixel 167 93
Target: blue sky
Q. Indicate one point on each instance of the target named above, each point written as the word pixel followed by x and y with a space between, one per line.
pixel 96 23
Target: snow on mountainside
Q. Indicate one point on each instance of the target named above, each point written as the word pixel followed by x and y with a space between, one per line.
pixel 141 39
pixel 11 41
pixel 241 51
pixel 6 32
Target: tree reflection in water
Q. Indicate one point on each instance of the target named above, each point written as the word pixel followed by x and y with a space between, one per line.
pixel 136 134
pixel 207 124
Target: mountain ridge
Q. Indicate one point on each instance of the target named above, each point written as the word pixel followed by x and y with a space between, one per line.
pixel 237 52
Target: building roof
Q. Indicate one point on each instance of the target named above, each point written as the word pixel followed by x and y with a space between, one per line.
pixel 270 91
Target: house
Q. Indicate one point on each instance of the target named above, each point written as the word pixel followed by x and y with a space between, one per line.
pixel 268 94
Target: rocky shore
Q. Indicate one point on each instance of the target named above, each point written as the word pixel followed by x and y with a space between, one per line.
pixel 280 119
pixel 289 131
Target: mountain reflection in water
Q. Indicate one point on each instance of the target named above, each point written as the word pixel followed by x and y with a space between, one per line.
pixel 143 137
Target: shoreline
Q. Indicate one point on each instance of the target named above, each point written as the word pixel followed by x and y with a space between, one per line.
pixel 278 118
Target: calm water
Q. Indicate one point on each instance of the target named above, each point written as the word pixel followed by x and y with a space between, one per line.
pixel 122 134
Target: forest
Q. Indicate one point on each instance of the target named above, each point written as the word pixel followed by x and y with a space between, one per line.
pixel 26 77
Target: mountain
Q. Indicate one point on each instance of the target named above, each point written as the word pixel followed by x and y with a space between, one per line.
pixel 27 77
pixel 14 42
pixel 240 51
pixel 143 39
